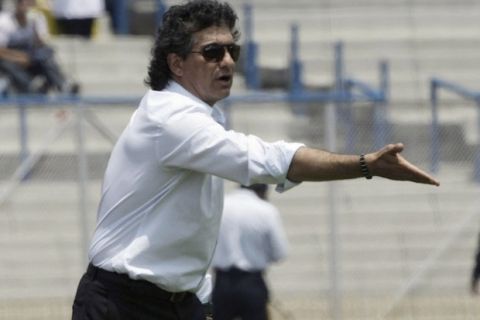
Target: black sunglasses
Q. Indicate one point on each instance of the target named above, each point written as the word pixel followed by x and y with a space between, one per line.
pixel 216 51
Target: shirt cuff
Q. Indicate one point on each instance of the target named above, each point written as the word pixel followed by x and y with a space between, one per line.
pixel 204 292
pixel 287 184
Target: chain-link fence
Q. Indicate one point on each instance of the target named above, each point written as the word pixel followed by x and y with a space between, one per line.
pixel 358 249
pixel 376 249
pixel 51 164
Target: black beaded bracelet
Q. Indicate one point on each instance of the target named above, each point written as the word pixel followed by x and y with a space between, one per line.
pixel 364 167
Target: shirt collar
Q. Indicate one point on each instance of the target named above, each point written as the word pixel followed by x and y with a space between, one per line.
pixel 215 111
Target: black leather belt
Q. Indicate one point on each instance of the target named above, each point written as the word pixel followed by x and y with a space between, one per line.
pixel 233 271
pixel 140 287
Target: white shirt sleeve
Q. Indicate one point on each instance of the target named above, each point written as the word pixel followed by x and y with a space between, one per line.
pixel 40 24
pixel 6 28
pixel 196 142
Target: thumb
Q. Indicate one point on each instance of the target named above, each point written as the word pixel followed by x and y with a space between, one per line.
pixel 392 149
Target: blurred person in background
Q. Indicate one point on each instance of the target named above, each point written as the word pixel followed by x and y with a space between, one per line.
pixel 476 271
pixel 251 238
pixel 111 7
pixel 25 56
pixel 162 194
pixel 77 17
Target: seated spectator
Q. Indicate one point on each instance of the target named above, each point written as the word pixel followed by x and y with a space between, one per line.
pixel 25 58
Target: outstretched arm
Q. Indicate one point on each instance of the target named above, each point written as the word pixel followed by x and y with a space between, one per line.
pixel 318 165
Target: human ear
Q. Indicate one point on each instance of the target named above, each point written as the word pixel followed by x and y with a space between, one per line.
pixel 175 63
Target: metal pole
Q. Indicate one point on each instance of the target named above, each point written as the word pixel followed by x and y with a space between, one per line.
pixel 32 159
pixel 161 8
pixel 339 67
pixel 343 92
pixel 384 83
pixel 378 120
pixel 333 239
pixel 330 134
pixel 383 104
pixel 296 85
pixel 250 64
pixel 122 16
pixel 435 153
pixel 82 181
pixel 23 132
pixel 477 145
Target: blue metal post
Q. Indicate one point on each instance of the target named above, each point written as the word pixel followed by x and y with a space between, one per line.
pixel 339 72
pixel 378 135
pixel 384 83
pixel 331 112
pixel 343 97
pixel 296 85
pixel 122 16
pixel 435 152
pixel 161 8
pixel 250 62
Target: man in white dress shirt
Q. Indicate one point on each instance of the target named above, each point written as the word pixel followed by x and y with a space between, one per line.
pixel 251 238
pixel 162 195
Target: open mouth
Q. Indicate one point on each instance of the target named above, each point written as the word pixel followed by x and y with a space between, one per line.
pixel 225 78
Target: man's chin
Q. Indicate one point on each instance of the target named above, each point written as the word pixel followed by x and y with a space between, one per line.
pixel 224 93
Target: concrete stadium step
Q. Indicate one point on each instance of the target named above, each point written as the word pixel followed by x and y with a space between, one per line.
pixel 362 23
pixel 376 271
pixel 383 226
pixel 373 284
pixel 25 288
pixel 379 245
pixel 348 3
pixel 42 121
pixel 109 66
pixel 368 254
pixel 420 43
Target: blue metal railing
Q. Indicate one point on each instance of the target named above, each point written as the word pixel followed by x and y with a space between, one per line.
pixel 435 85
pixel 345 91
pixel 296 67
pixel 377 96
pixel 250 68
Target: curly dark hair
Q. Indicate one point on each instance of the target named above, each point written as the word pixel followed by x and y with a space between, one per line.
pixel 175 35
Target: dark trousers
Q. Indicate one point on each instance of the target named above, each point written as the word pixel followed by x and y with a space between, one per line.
pixel 18 75
pixel 42 64
pixel 239 294
pixel 75 27
pixel 104 295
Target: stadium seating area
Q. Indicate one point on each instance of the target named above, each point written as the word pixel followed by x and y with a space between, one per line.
pixel 387 231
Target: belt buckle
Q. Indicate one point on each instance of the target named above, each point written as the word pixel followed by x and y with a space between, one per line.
pixel 177 296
